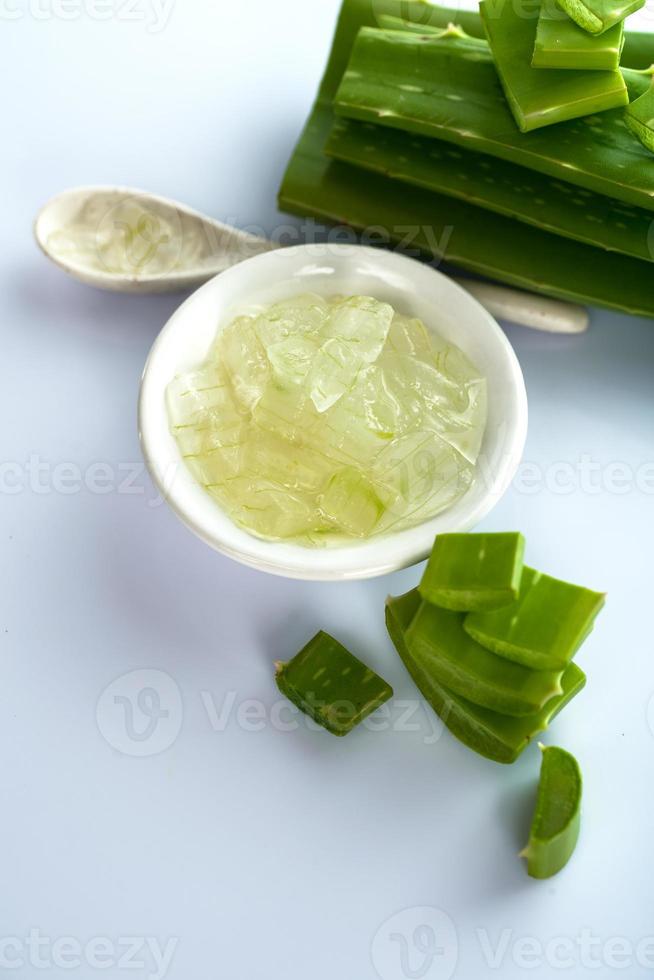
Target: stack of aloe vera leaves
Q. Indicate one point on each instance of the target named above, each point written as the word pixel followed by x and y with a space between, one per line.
pixel 412 132
pixel 490 642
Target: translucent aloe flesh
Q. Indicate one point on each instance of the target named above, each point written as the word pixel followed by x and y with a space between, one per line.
pixel 557 817
pixel 639 118
pixel 495 185
pixel 560 43
pixel 437 637
pixel 443 227
pixel 544 628
pixel 323 419
pixel 331 685
pixel 598 16
pixel 455 95
pixel 468 572
pixel 492 735
pixel 540 98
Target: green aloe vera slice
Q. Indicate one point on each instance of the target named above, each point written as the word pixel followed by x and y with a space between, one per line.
pixel 539 98
pixel 560 43
pixel 437 637
pixel 495 736
pixel 442 227
pixel 557 818
pixel 478 572
pixel 639 118
pixel 331 685
pixel 496 185
pixel 461 101
pixel 598 16
pixel 546 626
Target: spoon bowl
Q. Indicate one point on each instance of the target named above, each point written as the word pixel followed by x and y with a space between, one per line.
pixel 129 241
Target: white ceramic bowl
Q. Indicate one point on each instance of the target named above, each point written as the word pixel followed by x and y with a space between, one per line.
pixel 413 288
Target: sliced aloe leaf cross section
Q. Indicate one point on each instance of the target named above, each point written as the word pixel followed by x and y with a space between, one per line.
pixel 560 43
pixel 557 817
pixel 479 572
pixel 544 628
pixel 497 737
pixel 438 638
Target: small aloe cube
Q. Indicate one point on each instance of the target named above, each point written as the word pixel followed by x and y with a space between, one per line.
pixel 560 43
pixel 545 627
pixel 469 572
pixel 495 736
pixel 331 685
pixel 437 637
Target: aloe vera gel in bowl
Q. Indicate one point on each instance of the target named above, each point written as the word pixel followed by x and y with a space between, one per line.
pixel 322 420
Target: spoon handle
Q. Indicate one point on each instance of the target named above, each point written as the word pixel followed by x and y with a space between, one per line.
pixel 528 309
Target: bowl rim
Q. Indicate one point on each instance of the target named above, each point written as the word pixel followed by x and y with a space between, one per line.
pixel 379 555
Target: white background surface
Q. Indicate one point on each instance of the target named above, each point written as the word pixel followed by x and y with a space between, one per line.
pixel 268 853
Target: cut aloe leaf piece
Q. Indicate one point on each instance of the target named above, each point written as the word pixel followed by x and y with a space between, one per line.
pixel 598 16
pixel 474 571
pixel 557 818
pixel 495 736
pixel 495 185
pixel 456 96
pixel 539 98
pixel 639 118
pixel 560 43
pixel 437 637
pixel 331 685
pixel 544 628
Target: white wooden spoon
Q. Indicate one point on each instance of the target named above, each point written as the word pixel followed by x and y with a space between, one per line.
pixel 130 241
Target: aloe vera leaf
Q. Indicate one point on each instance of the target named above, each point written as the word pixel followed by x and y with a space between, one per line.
pixel 422 16
pixel 598 16
pixel 495 185
pixel 497 737
pixel 539 98
pixel 544 628
pixel 560 43
pixel 478 572
pixel 557 817
pixel 440 226
pixel 594 153
pixel 331 685
pixel 437 637
pixel 639 118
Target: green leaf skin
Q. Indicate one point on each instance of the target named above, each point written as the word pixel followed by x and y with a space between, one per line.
pixel 497 737
pixel 560 43
pixel 539 98
pixel 477 572
pixel 437 637
pixel 495 185
pixel 557 818
pixel 458 98
pixel 442 227
pixel 332 686
pixel 639 118
pixel 546 626
pixel 598 16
